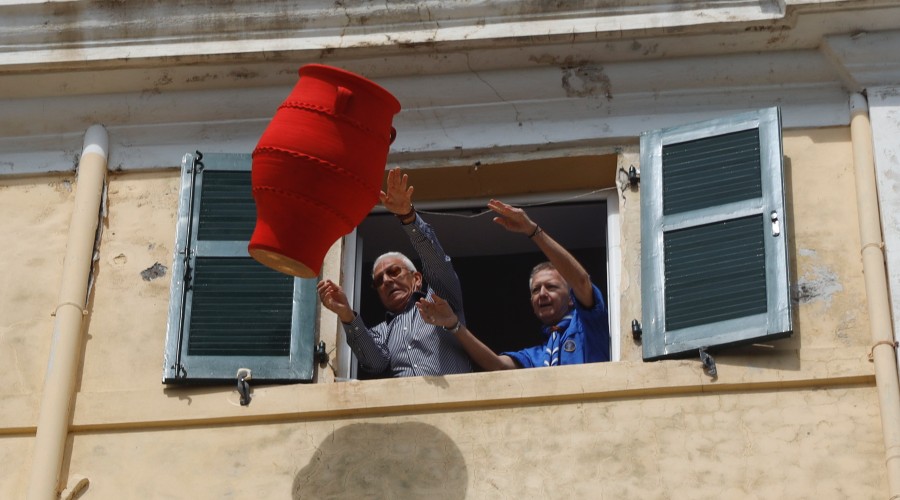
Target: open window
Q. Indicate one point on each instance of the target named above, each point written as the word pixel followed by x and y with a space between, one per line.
pixel 713 236
pixel 493 264
pixel 228 312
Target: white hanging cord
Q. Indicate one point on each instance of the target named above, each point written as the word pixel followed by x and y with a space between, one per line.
pixel 518 205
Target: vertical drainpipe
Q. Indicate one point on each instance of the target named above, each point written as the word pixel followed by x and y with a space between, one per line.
pixel 65 347
pixel 876 289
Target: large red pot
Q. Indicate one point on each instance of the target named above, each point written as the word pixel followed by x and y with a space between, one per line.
pixel 318 167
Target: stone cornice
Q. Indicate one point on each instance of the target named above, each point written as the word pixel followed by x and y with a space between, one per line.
pixel 85 32
pixel 865 59
pixel 546 79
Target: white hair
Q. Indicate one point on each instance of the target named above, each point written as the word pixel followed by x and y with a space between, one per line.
pixel 397 255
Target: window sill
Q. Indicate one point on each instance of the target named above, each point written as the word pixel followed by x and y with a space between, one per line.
pixel 779 369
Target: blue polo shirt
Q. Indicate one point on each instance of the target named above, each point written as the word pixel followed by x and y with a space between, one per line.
pixel 582 336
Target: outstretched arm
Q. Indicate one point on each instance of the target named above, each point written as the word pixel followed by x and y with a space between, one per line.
pixel 335 300
pixel 516 220
pixel 437 267
pixel 438 312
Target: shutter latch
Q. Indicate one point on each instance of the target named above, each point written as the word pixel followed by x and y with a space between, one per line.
pixel 776 227
pixel 636 330
pixel 243 386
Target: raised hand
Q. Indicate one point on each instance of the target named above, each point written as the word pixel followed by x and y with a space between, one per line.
pixel 512 218
pixel 398 198
pixel 335 300
pixel 437 312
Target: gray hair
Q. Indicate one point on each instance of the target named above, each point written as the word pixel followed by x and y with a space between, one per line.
pixel 397 255
pixel 543 266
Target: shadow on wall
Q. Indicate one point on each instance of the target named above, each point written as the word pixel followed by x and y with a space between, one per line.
pixel 405 460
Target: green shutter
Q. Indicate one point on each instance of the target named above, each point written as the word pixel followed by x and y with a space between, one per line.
pixel 714 255
pixel 228 311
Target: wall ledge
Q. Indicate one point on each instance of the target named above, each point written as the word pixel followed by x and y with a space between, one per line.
pixel 202 406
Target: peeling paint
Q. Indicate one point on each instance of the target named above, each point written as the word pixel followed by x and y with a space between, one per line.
pixel 820 284
pixel 243 74
pixel 202 78
pixel 163 80
pixel 157 270
pixel 586 80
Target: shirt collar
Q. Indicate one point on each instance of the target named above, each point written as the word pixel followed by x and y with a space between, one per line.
pixel 418 294
pixel 558 327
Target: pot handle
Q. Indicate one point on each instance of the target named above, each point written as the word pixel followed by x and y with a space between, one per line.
pixel 342 99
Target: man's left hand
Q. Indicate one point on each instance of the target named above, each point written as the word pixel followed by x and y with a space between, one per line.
pixel 437 312
pixel 398 198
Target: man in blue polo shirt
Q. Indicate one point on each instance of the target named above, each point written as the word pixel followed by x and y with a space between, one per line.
pixel 571 308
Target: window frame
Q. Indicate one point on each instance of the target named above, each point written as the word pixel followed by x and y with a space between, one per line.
pixel 776 322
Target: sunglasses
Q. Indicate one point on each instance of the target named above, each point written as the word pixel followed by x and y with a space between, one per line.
pixel 392 272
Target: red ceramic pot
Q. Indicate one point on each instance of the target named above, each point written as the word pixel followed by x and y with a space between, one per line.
pixel 318 167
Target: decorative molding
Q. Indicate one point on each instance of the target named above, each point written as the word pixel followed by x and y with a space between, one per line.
pixel 84 32
pixel 525 89
pixel 866 59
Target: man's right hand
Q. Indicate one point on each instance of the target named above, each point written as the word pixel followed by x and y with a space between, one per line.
pixel 335 300
pixel 512 218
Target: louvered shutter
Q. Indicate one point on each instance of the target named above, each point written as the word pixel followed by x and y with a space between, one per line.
pixel 227 311
pixel 713 235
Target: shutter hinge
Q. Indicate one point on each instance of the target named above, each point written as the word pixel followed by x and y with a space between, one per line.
pixel 198 162
pixel 188 274
pixel 180 370
pixel 709 364
pixel 243 386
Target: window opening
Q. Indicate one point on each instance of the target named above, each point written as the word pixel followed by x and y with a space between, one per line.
pixel 493 264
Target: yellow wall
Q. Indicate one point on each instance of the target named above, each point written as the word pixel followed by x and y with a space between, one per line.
pixel 797 418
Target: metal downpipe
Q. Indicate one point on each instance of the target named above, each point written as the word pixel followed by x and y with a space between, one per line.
pixel 65 347
pixel 876 288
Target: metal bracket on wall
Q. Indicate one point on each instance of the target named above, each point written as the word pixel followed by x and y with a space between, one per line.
pixel 320 354
pixel 243 386
pixel 709 364
pixel 634 176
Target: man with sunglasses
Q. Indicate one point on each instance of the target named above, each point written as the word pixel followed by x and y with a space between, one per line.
pixel 404 344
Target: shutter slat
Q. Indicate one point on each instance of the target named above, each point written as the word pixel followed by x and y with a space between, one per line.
pixel 227 209
pixel 711 171
pixel 230 317
pixel 714 272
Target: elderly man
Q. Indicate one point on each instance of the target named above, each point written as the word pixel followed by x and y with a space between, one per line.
pixel 570 307
pixel 404 344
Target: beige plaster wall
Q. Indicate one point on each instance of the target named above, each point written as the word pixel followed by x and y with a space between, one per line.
pixel 33 232
pixel 778 444
pixel 796 418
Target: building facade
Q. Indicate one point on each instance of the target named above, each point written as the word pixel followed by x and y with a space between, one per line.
pixel 106 105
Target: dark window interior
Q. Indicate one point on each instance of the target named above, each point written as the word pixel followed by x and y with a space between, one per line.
pixel 492 263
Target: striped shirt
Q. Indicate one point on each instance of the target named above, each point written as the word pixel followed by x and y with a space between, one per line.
pixel 404 343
